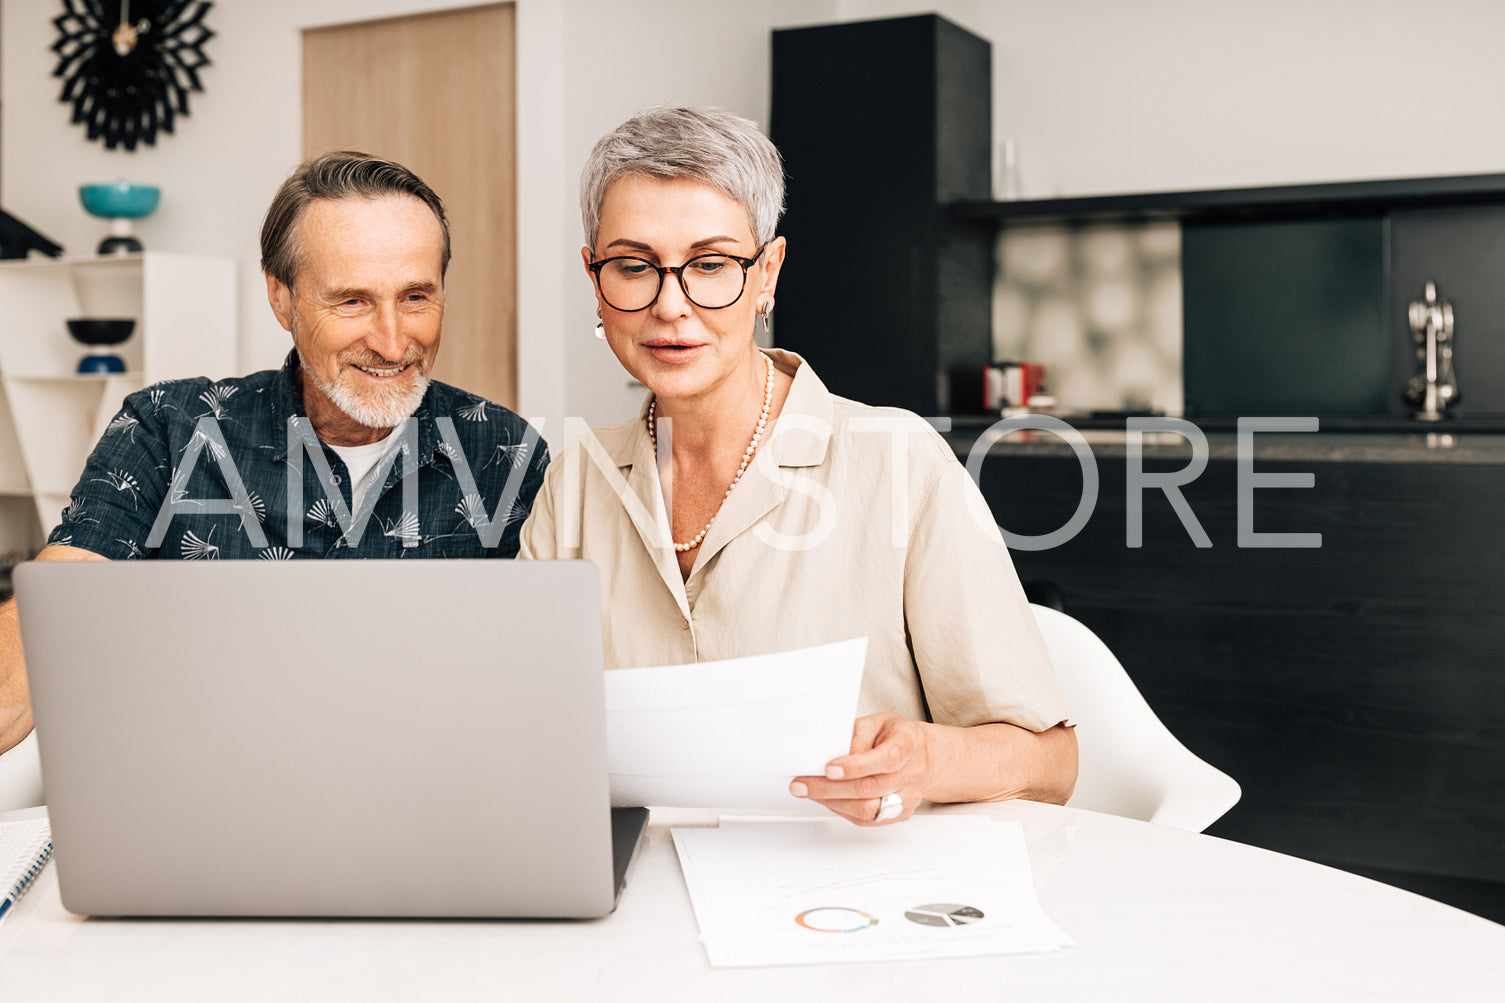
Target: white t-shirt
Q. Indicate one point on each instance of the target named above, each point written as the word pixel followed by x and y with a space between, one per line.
pixel 362 461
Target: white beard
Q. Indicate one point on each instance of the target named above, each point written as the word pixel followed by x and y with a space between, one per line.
pixel 374 407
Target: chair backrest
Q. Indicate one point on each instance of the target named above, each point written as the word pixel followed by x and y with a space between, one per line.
pixel 21 776
pixel 1131 765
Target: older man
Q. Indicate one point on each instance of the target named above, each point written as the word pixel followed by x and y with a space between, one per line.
pixel 349 450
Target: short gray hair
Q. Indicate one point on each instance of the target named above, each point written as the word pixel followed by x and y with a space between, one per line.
pixel 344 174
pixel 714 147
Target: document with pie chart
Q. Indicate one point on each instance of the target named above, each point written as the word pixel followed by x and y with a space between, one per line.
pixel 821 891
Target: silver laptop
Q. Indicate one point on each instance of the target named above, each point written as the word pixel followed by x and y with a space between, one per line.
pixel 325 738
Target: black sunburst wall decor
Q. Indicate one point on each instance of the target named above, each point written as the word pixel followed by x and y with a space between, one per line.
pixel 128 65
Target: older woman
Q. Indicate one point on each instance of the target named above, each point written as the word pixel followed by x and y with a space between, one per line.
pixel 747 510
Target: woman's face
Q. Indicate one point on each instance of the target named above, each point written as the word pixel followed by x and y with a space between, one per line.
pixel 679 350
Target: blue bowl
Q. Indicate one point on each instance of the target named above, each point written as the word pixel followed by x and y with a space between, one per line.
pixel 101 364
pixel 119 199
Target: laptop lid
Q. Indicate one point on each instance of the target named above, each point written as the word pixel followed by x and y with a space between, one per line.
pixel 323 738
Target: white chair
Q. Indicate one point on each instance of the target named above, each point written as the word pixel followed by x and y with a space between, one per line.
pixel 21 776
pixel 1131 765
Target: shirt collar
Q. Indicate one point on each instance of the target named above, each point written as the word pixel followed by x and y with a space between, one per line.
pixel 802 440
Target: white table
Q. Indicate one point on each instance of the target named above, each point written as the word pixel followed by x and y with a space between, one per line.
pixel 1156 913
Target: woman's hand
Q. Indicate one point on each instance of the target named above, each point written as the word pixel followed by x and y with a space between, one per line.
pixel 943 763
pixel 890 755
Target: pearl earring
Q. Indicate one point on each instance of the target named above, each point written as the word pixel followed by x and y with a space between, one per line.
pixel 600 327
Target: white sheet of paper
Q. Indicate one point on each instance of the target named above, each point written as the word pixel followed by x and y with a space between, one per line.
pixel 733 733
pixel 793 893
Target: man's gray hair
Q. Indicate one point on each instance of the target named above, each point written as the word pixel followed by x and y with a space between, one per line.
pixel 345 174
pixel 714 147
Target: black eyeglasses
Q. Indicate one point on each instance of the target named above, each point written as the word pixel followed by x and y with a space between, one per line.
pixel 710 281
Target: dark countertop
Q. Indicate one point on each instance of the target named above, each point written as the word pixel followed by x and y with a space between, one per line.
pixel 1439 443
pixel 1326 200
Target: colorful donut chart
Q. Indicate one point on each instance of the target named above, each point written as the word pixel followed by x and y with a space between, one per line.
pixel 835 919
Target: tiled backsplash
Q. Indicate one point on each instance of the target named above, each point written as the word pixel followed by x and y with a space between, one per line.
pixel 1099 305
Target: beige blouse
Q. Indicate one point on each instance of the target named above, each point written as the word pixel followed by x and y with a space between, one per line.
pixel 851 521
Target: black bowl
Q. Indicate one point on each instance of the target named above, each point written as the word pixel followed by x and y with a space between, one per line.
pixel 101 330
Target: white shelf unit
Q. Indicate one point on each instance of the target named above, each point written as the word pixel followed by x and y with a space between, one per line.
pixel 50 417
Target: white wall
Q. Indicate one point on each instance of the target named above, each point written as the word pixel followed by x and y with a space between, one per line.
pixel 583 65
pixel 218 170
pixel 1100 96
pixel 1109 96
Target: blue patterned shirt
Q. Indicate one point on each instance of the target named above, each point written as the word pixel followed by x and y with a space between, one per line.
pixel 197 469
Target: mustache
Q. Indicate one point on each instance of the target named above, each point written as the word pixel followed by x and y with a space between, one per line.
pixel 413 355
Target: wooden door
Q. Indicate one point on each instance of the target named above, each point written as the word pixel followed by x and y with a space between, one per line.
pixel 436 93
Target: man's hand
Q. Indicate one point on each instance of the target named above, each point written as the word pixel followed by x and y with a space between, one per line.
pixel 890 755
pixel 15 694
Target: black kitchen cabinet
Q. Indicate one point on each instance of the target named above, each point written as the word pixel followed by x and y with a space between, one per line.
pixel 881 124
pixel 1356 691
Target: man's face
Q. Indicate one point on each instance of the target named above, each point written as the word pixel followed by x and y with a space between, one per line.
pixel 364 311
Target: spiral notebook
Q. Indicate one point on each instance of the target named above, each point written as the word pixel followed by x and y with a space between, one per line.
pixel 24 849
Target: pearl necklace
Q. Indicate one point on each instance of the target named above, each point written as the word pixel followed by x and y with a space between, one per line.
pixel 747 454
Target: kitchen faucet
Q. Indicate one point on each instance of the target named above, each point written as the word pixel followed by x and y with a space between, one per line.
pixel 1434 388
